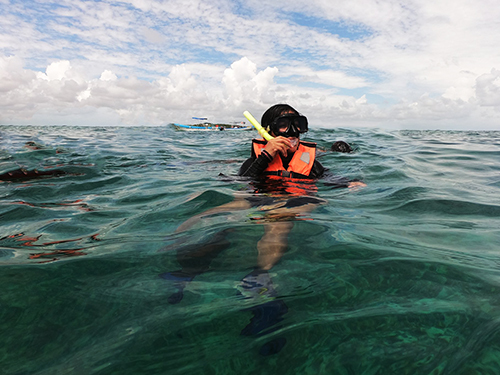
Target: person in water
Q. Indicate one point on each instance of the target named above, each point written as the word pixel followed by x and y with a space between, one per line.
pixel 285 155
pixel 284 169
pixel 341 146
pixel 283 172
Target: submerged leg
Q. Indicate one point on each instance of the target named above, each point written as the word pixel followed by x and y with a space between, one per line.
pixel 195 260
pixel 271 247
pixel 273 244
pixel 278 223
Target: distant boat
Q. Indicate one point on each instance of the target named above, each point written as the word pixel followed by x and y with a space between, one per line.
pixel 208 126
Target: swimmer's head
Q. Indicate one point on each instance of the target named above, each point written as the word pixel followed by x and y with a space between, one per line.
pixel 274 112
pixel 284 120
pixel 341 146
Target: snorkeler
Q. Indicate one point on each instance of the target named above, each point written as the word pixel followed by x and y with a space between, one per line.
pixel 285 155
pixel 283 172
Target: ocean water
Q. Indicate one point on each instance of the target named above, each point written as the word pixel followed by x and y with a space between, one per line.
pixel 399 277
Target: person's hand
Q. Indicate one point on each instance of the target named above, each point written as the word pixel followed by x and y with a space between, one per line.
pixel 356 185
pixel 278 144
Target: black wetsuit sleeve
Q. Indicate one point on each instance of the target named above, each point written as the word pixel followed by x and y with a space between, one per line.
pixel 254 167
pixel 317 170
pixel 337 182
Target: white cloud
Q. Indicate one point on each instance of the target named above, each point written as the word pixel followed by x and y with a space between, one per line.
pixel 326 77
pixel 108 75
pixel 488 89
pixel 12 75
pixel 153 36
pixel 244 86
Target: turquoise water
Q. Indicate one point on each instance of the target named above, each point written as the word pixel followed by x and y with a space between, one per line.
pixel 399 277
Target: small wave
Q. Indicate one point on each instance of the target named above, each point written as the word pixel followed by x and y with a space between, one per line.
pixel 444 207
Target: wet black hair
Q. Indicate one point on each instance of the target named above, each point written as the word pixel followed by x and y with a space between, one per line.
pixel 341 146
pixel 274 112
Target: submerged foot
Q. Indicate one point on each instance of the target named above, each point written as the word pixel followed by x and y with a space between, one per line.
pixel 265 320
pixel 180 281
pixel 272 347
pixel 176 297
pixel 265 317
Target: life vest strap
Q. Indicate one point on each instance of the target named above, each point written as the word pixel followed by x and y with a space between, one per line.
pixel 287 174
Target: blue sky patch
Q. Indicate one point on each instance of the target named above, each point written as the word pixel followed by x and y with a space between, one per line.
pixel 341 28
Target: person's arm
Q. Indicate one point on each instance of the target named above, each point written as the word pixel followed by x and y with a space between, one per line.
pixel 237 204
pixel 253 167
pixel 341 182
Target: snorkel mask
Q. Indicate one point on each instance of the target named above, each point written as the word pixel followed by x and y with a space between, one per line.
pixel 289 125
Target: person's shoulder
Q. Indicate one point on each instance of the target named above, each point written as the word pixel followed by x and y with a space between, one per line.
pixel 308 144
pixel 246 164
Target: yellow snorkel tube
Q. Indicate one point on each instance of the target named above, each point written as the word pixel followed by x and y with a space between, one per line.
pixel 257 126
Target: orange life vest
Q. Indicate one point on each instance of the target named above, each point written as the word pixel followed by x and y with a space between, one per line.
pixel 300 165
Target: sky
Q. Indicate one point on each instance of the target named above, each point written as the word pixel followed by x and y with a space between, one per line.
pixel 405 64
